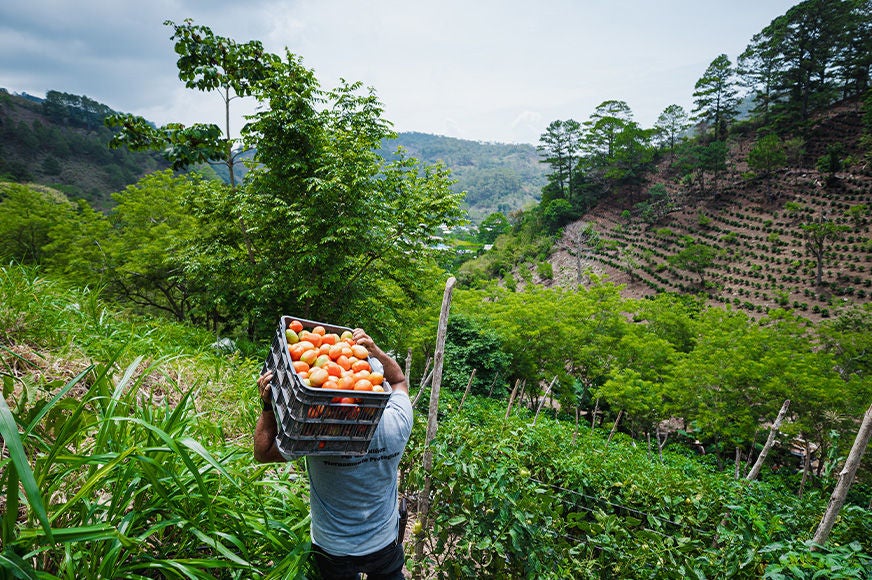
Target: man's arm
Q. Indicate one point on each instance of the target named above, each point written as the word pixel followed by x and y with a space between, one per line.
pixel 393 373
pixel 265 432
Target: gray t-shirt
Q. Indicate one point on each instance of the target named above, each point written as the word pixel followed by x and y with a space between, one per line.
pixel 354 499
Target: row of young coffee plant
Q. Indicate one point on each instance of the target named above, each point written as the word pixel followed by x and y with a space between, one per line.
pixel 518 498
pixel 126 449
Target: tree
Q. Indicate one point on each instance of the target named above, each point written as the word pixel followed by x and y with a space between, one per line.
pixel 767 154
pixel 724 398
pixel 469 347
pixel 715 96
pixel 27 214
pixel 493 226
pixel 154 229
pixel 810 34
pixel 670 126
pixel 322 227
pixel 818 237
pixel 615 146
pixel 206 63
pixel 759 68
pixel 696 258
pixel 559 146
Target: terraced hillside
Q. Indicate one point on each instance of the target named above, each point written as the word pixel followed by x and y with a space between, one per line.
pixel 754 224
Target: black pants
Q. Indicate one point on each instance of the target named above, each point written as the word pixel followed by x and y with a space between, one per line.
pixel 385 564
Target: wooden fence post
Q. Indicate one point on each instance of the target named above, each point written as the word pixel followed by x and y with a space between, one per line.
pixel 614 426
pixel 542 400
pixel 512 398
pixel 466 392
pixel 432 413
pixel 755 471
pixel 846 478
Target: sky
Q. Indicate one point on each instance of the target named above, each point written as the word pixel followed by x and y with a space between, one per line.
pixel 485 70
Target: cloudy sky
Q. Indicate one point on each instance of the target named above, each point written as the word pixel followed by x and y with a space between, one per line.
pixel 488 70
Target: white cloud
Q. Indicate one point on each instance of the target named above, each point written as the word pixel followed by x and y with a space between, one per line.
pixel 474 70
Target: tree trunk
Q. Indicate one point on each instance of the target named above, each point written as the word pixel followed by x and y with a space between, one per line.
pixel 466 392
pixel 661 443
pixel 806 468
pixel 846 478
pixel 433 412
pixel 408 365
pixel 575 432
pixel 648 437
pixel 738 462
pixel 770 441
pixel 614 427
pixel 595 411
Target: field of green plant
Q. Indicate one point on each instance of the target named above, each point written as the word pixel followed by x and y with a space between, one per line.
pixel 127 454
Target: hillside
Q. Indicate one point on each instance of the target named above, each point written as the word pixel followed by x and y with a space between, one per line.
pixel 65 147
pixel 496 177
pixel 755 224
pixel 55 146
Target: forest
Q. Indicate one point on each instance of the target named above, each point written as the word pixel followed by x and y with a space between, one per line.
pixel 582 432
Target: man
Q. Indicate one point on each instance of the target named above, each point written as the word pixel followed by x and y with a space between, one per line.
pixel 353 500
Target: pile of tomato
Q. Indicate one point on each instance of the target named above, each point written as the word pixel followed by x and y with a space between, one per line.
pixel 328 360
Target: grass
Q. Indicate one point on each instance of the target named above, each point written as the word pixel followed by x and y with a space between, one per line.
pixel 127 449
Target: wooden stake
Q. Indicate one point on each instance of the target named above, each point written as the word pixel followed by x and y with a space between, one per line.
pixel 614 427
pixel 770 441
pixel 542 400
pixel 846 478
pixel 512 398
pixel 433 412
pixel 466 392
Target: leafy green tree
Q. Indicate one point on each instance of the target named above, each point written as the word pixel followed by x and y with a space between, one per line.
pixel 82 248
pixel 636 383
pixel 559 146
pixel 471 347
pixel 767 154
pixel 724 397
pixel 712 159
pixel 671 126
pixel 819 236
pixel 715 96
pixel 811 35
pixel 556 213
pixel 831 162
pixel 27 214
pixel 493 226
pixel 671 318
pixel 551 332
pixel 616 147
pixel 759 68
pixel 323 227
pixel 154 229
pixel 206 62
pixel 695 257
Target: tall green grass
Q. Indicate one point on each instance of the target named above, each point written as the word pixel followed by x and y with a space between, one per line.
pixel 120 470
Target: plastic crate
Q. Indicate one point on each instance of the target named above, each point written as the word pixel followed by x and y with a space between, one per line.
pixel 309 421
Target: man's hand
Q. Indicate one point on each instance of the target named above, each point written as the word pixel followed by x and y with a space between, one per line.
pixel 363 339
pixel 265 431
pixel 263 385
pixel 393 373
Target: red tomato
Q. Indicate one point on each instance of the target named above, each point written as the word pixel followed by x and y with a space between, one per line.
pixel 296 326
pixel 361 365
pixel 318 376
pixel 363 385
